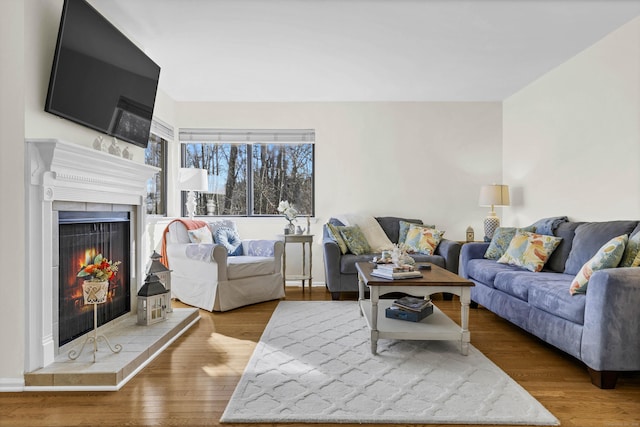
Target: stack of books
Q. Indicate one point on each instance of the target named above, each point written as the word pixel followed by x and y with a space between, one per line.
pixel 392 271
pixel 410 308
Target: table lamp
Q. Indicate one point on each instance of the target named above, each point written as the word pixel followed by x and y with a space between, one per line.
pixel 493 195
pixel 191 179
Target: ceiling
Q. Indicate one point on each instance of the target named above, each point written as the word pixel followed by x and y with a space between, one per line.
pixel 360 50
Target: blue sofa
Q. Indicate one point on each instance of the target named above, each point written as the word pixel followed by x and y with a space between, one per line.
pixel 600 328
pixel 340 269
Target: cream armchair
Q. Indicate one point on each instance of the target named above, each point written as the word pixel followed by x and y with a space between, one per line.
pixel 205 276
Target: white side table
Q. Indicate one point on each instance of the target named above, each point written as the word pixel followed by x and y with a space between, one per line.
pixel 304 239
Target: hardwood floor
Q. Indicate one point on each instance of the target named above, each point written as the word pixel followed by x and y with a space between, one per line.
pixel 190 383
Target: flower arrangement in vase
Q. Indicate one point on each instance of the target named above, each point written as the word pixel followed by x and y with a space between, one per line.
pixel 97 276
pixel 290 213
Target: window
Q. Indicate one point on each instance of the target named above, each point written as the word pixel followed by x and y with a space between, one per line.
pixel 250 172
pixel 156 155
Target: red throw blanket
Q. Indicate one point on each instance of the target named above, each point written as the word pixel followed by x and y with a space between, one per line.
pixel 191 224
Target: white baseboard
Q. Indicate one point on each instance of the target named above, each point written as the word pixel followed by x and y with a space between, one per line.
pixel 11 384
pixel 294 283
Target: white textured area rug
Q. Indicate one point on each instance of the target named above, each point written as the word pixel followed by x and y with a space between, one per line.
pixel 314 364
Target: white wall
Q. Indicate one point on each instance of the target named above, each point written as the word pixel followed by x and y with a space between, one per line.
pixel 572 137
pixel 419 160
pixel 28 34
pixel 12 257
pixel 42 18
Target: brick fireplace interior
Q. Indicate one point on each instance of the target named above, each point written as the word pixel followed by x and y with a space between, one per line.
pixel 82 236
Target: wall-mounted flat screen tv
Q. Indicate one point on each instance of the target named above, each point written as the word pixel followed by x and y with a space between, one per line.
pixel 100 79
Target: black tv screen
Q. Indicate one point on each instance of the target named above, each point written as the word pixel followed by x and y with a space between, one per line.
pixel 99 78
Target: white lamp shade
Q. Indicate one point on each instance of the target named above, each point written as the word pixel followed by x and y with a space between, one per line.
pixel 494 195
pixel 191 179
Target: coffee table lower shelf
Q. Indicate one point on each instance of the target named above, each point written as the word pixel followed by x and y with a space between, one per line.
pixel 437 326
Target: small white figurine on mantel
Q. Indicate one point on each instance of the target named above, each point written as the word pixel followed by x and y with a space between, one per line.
pixel 99 144
pixel 113 148
pixel 127 154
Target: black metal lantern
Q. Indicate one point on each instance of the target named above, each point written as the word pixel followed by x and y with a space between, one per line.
pixel 163 273
pixel 153 299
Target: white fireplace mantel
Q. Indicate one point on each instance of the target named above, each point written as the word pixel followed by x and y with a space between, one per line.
pixel 58 171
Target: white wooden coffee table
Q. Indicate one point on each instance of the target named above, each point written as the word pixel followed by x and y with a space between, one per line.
pixel 437 326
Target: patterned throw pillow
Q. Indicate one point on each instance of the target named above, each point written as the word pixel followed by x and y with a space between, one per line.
pixel 500 241
pixel 422 239
pixel 200 235
pixel 631 256
pixel 260 247
pixel 355 240
pixel 608 256
pixel 530 250
pixel 404 228
pixel 334 233
pixel 229 238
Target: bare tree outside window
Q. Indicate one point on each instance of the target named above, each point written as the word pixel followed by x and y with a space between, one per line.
pixel 227 169
pixel 239 187
pixel 282 172
pixel 155 155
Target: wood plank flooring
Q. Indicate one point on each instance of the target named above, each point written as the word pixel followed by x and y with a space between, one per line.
pixel 190 383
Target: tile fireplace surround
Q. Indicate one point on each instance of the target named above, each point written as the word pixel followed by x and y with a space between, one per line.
pixel 64 176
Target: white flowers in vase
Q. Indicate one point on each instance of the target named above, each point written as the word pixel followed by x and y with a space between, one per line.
pixel 289 212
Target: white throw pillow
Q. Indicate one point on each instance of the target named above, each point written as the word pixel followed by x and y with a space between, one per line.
pixel 201 235
pixel 371 229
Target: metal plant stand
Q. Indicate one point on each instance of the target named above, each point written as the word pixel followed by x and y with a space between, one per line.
pixel 94 338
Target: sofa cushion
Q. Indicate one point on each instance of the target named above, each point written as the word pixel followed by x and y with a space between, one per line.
pixel 590 237
pixel 500 241
pixel 214 225
pixel 549 225
pixel 258 247
pixel 552 297
pixel 404 229
pixel 230 239
pixel 530 250
pixel 422 239
pixel 391 226
pixel 200 235
pixel 559 257
pixel 348 262
pixel 631 256
pixel 336 221
pixel 485 270
pixel 355 240
pixel 372 231
pixel 518 283
pixel 608 256
pixel 239 267
pixel 334 233
pixel 433 259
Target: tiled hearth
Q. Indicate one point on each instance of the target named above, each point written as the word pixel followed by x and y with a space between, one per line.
pixel 140 345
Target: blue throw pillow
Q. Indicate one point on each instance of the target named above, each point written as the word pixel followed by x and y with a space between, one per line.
pixel 230 239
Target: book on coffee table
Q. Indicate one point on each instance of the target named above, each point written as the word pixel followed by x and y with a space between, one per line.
pixel 394 268
pixel 387 274
pixel 395 312
pixel 412 303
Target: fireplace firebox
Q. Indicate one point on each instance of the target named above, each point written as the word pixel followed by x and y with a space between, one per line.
pixel 82 236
